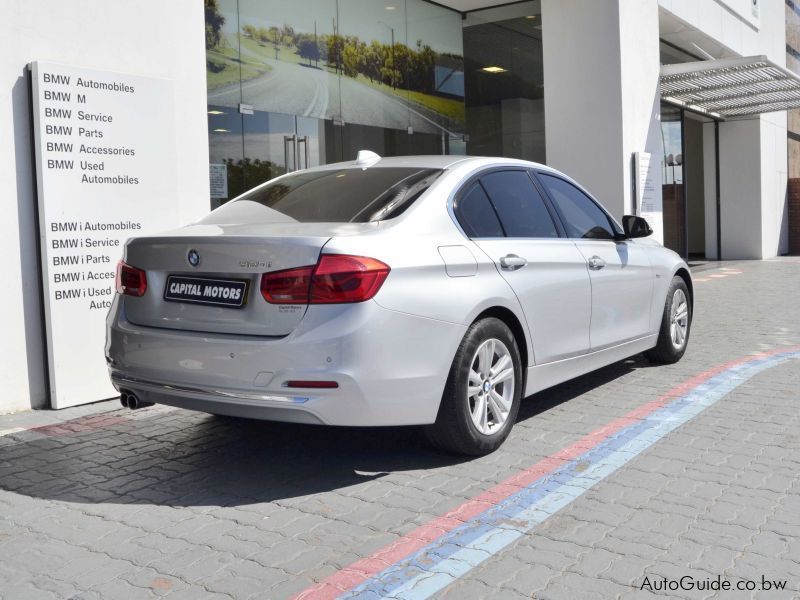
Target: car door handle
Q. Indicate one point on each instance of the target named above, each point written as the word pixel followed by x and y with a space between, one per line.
pixel 512 262
pixel 596 263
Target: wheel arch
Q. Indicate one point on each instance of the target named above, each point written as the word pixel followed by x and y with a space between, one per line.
pixel 508 317
pixel 683 273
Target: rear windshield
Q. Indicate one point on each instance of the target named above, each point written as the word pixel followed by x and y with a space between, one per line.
pixel 344 195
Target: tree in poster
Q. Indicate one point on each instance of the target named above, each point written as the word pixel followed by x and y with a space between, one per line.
pixel 307 48
pixel 373 60
pixel 214 23
pixel 396 65
pixel 335 47
pixel 353 55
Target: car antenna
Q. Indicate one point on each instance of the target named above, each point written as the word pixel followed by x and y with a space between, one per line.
pixel 365 158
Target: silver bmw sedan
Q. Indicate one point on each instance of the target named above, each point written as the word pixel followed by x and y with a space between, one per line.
pixel 431 290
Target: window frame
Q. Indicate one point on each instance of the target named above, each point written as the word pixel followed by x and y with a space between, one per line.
pixel 466 186
pixel 462 192
pixel 616 229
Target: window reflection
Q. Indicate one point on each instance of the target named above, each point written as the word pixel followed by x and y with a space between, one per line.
pixel 505 82
pixel 672 176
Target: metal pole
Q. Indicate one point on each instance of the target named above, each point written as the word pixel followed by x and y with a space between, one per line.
pixel 719 201
pixel 394 66
pixel 683 188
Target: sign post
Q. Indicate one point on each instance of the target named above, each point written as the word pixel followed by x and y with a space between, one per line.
pixel 105 169
pixel 648 201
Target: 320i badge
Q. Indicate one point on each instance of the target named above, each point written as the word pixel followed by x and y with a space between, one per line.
pixel 435 290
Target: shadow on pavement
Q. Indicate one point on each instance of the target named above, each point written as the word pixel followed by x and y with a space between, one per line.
pixel 550 398
pixel 180 458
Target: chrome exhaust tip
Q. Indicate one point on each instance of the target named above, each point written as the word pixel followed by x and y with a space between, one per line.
pixel 123 399
pixel 133 402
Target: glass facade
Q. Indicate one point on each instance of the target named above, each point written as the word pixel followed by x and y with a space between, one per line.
pixel 297 84
pixel 504 82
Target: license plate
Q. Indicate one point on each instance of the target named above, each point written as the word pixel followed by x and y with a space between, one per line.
pixel 200 290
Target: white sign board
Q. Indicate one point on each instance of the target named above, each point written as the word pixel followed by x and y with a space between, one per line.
pixel 105 166
pixel 648 199
pixel 218 178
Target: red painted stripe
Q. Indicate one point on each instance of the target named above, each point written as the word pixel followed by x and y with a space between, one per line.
pixel 361 570
pixel 78 425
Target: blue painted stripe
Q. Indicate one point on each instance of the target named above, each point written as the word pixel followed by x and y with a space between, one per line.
pixel 441 562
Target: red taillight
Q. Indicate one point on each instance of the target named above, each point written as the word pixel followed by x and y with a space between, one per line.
pixel 344 278
pixel 287 287
pixel 130 280
pixel 336 278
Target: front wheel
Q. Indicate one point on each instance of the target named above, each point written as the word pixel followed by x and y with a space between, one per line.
pixel 676 323
pixel 483 392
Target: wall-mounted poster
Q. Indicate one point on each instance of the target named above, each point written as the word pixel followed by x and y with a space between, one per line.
pixel 105 171
pixel 218 179
pixel 393 65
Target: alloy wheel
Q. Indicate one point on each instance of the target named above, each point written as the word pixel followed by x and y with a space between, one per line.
pixel 490 389
pixel 679 319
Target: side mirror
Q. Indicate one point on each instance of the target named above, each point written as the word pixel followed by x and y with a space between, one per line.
pixel 635 227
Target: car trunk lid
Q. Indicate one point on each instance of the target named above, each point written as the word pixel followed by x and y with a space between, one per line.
pixel 226 253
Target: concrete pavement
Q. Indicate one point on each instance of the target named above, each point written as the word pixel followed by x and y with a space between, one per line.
pixel 97 502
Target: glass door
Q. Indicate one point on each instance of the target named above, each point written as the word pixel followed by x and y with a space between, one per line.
pixel 276 143
pixel 673 191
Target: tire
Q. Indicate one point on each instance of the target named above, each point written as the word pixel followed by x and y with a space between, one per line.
pixel 455 429
pixel 673 337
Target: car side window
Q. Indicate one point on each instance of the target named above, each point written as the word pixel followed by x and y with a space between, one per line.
pixel 581 215
pixel 519 205
pixel 476 215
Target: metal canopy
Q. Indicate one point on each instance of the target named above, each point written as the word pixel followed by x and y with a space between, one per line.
pixel 730 87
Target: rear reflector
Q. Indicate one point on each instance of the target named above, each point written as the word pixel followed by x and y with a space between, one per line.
pixel 130 280
pixel 335 279
pixel 311 384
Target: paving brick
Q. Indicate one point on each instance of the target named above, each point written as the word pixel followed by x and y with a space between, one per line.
pixel 164 502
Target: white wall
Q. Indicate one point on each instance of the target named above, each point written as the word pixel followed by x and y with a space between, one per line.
pixel 730 23
pixel 740 188
pixel 774 147
pixel 583 95
pixel 147 37
pixel 641 96
pixel 601 72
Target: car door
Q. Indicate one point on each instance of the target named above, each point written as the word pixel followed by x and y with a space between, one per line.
pixel 620 271
pixel 506 216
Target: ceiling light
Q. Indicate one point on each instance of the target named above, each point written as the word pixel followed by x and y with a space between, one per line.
pixel 494 69
pixel 216 112
pixel 390 7
pixel 530 16
pixel 222 131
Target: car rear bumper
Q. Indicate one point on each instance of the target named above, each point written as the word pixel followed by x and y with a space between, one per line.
pixel 390 367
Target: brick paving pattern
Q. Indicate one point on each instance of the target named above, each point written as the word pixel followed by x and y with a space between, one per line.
pixel 101 503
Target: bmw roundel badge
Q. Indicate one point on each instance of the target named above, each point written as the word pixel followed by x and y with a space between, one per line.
pixel 193 257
